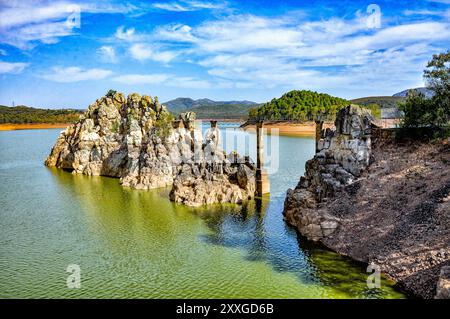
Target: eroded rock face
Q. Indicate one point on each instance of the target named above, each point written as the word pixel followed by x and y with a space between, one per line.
pixel 217 178
pixel 118 137
pixel 135 139
pixel 443 285
pixel 342 156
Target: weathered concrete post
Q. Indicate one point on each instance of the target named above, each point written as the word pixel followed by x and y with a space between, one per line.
pixel 319 125
pixel 262 180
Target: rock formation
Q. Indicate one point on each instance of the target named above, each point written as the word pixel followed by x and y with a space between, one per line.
pixel 443 285
pixel 135 139
pixel 343 154
pixel 393 213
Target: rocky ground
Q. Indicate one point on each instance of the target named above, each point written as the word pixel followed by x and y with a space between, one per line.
pixel 397 214
pixel 377 200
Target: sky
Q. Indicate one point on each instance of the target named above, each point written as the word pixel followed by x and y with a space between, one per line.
pixel 66 54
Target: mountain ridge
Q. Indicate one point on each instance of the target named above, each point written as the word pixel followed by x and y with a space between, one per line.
pixel 185 103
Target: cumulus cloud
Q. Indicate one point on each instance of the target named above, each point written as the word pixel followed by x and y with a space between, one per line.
pixel 12 67
pixel 266 52
pixel 107 53
pixel 24 24
pixel 142 52
pixel 188 5
pixel 75 74
pixel 125 34
pixel 133 79
pixel 162 79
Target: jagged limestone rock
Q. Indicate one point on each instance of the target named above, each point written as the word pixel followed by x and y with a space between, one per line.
pixel 343 154
pixel 134 139
pixel 215 178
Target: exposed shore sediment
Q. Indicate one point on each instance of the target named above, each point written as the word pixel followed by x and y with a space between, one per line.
pixel 393 211
pixel 31 126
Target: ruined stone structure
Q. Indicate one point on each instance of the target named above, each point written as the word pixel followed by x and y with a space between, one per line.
pixel 342 155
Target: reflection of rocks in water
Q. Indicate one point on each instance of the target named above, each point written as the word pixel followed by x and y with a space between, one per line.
pixel 244 228
pixel 123 218
pixel 343 274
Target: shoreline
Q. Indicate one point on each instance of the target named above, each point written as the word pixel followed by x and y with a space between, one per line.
pixel 289 129
pixel 31 126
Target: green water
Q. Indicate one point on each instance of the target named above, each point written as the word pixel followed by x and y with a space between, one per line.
pixel 137 244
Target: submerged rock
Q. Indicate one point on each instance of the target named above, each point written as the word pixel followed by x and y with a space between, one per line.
pixel 135 139
pixel 343 154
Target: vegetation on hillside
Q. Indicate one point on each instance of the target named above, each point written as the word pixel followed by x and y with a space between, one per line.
pixel 206 108
pixel 227 111
pixel 433 112
pixel 299 106
pixel 382 101
pixel 23 114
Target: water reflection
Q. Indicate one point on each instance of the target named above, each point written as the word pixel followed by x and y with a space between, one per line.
pixel 138 244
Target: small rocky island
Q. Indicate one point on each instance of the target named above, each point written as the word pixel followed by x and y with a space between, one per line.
pixel 137 140
pixel 378 200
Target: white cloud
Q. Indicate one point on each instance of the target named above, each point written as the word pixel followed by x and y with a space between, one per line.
pixel 24 24
pixel 268 52
pixel 133 79
pixel 423 12
pixel 107 53
pixel 142 52
pixel 75 74
pixel 3 52
pixel 125 34
pixel 12 67
pixel 162 79
pixel 188 5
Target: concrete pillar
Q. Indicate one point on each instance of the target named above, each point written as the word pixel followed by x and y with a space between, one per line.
pixel 262 179
pixel 319 125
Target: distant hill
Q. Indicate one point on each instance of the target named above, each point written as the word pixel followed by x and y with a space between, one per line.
pixel 427 92
pixel 222 111
pixel 24 114
pixel 299 106
pixel 183 104
pixel 382 101
pixel 387 104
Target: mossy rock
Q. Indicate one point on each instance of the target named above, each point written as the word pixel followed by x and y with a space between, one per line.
pixel 146 102
pixel 119 98
pixel 134 98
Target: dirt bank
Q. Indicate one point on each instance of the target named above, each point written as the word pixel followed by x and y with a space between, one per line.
pixel 309 128
pixel 31 126
pixel 288 128
pixel 397 214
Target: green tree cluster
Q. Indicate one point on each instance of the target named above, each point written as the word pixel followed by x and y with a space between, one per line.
pixel 433 112
pixel 24 114
pixel 299 106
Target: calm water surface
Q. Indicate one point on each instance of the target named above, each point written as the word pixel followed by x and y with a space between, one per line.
pixel 137 244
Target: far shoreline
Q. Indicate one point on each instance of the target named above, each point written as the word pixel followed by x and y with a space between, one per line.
pixel 305 129
pixel 31 126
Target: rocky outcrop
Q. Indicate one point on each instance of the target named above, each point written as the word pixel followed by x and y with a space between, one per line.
pixel 443 285
pixel 393 213
pixel 343 154
pixel 118 137
pixel 222 179
pixel 137 140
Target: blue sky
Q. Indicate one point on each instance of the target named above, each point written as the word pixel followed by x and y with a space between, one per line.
pixel 68 53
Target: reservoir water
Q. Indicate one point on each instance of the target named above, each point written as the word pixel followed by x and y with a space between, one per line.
pixel 138 244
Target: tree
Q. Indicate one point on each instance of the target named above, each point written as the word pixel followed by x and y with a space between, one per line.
pixel 417 110
pixel 434 112
pixel 437 77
